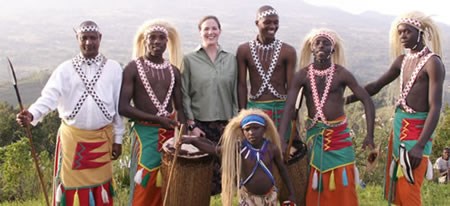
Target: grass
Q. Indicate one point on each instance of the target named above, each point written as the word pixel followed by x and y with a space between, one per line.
pixel 432 195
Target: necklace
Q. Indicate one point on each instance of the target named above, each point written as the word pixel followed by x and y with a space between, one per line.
pixel 320 102
pixel 250 150
pixel 410 55
pixel 423 56
pixel 266 76
pixel 324 72
pixel 264 50
pixel 156 68
pixel 161 107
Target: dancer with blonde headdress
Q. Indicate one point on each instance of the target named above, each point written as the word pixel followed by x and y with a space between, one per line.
pixel 333 175
pixel 154 85
pixel 417 112
pixel 249 146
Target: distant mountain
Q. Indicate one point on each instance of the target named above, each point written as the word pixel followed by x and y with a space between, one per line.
pixel 40 38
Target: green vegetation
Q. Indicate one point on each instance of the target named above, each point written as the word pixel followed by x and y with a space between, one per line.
pixel 432 195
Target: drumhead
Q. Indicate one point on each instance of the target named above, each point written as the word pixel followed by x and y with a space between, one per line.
pixel 187 151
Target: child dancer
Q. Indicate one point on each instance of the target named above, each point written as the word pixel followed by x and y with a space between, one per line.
pixel 249 147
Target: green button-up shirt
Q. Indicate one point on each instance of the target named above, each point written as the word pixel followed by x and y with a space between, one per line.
pixel 209 88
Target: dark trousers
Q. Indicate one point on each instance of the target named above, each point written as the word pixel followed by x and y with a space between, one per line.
pixel 213 131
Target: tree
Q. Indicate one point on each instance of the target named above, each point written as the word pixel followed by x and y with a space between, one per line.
pixel 442 134
pixel 44 134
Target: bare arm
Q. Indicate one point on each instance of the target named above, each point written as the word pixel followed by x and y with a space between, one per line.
pixel 202 144
pixel 298 81
pixel 242 77
pixel 436 74
pixel 126 94
pixel 178 96
pixel 375 86
pixel 283 171
pixel 369 107
pixel 290 65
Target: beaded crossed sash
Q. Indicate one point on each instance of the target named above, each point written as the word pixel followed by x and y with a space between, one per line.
pixel 424 55
pixel 89 84
pixel 258 155
pixel 320 102
pixel 266 76
pixel 161 107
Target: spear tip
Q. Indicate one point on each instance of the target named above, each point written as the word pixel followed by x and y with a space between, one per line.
pixel 11 72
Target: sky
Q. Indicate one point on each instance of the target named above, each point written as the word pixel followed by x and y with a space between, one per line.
pixel 390 7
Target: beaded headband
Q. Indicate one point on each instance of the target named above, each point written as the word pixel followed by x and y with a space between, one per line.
pixel 267 13
pixel 253 119
pixel 326 35
pixel 410 21
pixel 87 28
pixel 156 28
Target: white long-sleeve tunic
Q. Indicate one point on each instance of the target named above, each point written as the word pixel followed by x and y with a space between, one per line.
pixel 65 88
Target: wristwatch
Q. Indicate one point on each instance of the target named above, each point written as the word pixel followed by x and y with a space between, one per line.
pixel 192 127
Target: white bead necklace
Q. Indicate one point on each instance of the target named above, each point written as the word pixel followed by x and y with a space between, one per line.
pixel 150 66
pixel 276 44
pixel 320 102
pixel 423 56
pixel 161 107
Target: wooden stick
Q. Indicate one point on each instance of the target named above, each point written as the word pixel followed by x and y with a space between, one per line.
pixel 174 161
pixel 28 131
pixel 36 164
pixel 298 104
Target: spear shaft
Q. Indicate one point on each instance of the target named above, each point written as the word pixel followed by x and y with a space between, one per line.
pixel 177 146
pixel 28 131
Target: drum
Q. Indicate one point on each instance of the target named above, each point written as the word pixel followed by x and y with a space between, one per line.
pixel 297 168
pixel 190 184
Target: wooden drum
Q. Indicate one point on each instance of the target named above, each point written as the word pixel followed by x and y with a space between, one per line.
pixel 297 168
pixel 190 184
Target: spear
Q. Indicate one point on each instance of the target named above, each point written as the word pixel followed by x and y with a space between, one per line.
pixel 27 130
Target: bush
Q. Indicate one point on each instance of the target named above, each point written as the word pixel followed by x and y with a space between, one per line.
pixel 442 134
pixel 18 178
pixel 44 134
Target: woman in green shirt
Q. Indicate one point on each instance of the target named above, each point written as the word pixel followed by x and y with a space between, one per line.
pixel 209 86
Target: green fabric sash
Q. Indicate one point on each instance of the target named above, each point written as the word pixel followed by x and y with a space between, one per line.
pixel 407 130
pixel 274 109
pixel 146 139
pixel 322 160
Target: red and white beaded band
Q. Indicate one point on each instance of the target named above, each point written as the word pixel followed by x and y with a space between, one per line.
pixel 160 106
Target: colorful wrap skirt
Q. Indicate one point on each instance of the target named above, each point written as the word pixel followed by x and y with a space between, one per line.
pixel 275 110
pixel 333 175
pixel 145 174
pixel 407 130
pixel 83 167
